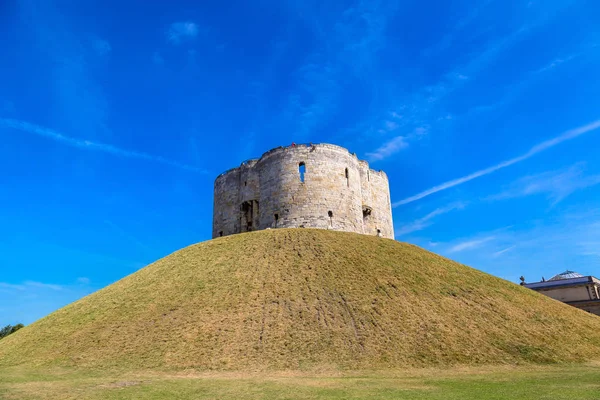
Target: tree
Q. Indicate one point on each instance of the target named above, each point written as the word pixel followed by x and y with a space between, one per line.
pixel 9 329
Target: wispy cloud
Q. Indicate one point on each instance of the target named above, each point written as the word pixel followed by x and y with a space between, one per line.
pixel 470 244
pixel 584 50
pixel 555 63
pixel 387 149
pixel 76 97
pixel 349 39
pixel 568 135
pixel 27 285
pixel 89 145
pixel 430 104
pixel 427 220
pixel 31 300
pixel 500 252
pixel 83 280
pixel 570 240
pixel 180 31
pixel 395 144
pixel 557 185
pixel 316 96
pixel 426 107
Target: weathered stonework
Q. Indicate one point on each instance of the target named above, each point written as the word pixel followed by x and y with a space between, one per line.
pixel 313 186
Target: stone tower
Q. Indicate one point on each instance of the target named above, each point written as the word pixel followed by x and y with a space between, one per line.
pixel 313 186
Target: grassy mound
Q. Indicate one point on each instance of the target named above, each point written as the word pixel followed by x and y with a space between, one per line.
pixel 306 299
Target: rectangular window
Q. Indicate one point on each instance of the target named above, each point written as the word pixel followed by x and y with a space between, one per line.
pixel 301 171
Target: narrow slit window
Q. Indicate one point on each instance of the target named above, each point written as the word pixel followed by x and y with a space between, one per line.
pixel 347 177
pixel 220 233
pixel 276 219
pixel 301 171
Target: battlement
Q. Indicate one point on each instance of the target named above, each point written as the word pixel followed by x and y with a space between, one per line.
pixel 303 185
pixel 252 161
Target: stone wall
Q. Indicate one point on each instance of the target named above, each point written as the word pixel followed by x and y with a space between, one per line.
pixel 336 191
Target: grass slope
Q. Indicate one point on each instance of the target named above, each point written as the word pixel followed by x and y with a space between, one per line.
pixel 305 299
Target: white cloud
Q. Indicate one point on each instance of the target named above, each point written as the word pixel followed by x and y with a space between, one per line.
pixel 391 147
pixel 555 63
pixel 557 185
pixel 470 244
pixel 89 145
pixel 180 31
pixel 40 285
pixel 568 135
pixel 395 144
pixel 426 221
pixel 499 253
pixel 29 285
pixel 391 125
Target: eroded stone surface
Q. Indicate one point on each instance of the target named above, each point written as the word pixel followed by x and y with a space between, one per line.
pixel 319 186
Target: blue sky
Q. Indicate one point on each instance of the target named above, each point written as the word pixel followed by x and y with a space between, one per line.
pixel 115 118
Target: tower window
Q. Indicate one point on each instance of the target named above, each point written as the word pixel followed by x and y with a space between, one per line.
pixel 276 219
pixel 347 177
pixel 301 170
pixel 330 213
pixel 220 233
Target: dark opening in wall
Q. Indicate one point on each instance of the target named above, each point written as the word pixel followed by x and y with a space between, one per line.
pixel 249 213
pixel 276 219
pixel 330 213
pixel 378 232
pixel 245 183
pixel 368 176
pixel 301 170
pixel 347 178
pixel 220 233
pixel 366 213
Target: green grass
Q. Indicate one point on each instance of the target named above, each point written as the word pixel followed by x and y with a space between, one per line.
pixel 305 300
pixel 548 383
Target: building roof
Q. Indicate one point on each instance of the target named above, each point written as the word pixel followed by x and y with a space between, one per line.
pixel 566 275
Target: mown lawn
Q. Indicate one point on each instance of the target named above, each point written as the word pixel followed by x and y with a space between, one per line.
pixel 548 383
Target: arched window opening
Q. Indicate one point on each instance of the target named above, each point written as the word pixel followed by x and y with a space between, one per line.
pixel 301 170
pixel 276 219
pixel 379 232
pixel 330 213
pixel 347 178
